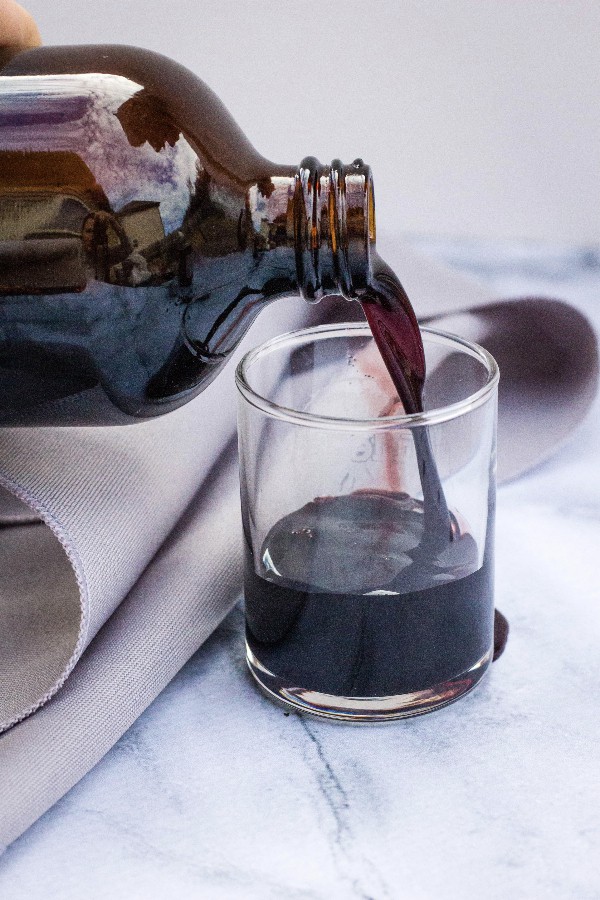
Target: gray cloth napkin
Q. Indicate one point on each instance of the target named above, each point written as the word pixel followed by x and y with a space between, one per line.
pixel 138 555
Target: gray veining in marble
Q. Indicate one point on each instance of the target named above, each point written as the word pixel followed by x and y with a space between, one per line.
pixel 216 793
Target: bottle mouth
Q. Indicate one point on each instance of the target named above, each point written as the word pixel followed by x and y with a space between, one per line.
pixel 334 227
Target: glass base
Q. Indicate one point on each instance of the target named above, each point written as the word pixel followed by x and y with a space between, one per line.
pixel 367 709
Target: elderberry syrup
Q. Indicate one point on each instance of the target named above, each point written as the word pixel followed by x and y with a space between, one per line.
pixel 355 598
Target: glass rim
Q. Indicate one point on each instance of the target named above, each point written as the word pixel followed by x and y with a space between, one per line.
pixel 406 420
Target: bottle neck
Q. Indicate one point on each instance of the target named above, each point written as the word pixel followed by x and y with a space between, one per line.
pixel 334 227
pixel 327 219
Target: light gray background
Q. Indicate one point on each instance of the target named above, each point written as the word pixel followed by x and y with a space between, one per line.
pixel 479 117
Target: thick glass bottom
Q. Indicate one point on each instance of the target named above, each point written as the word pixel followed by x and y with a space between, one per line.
pixel 367 709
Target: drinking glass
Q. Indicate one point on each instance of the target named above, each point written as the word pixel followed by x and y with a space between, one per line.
pixel 368 533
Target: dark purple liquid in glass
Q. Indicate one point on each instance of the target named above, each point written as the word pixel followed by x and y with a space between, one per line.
pixel 348 604
pixel 375 594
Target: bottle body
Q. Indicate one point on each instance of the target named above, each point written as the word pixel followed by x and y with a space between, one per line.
pixel 140 234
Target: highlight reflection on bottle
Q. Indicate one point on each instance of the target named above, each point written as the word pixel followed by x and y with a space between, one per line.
pixel 141 233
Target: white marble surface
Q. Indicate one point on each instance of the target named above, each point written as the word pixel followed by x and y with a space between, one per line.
pixel 216 793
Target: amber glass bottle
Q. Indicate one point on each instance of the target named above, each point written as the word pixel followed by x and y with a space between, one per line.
pixel 141 233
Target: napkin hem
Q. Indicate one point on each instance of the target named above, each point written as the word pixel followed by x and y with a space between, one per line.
pixel 78 569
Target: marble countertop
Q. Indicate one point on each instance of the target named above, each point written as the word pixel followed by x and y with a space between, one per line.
pixel 217 793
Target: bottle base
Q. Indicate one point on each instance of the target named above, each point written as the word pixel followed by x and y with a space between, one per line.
pixel 365 710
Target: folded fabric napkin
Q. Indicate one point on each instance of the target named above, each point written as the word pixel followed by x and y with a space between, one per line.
pixel 137 557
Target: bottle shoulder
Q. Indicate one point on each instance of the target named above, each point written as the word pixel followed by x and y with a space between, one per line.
pixel 163 90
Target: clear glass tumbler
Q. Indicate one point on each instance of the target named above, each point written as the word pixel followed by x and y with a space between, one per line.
pixel 368 533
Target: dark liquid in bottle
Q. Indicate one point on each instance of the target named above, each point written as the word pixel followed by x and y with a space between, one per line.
pixel 375 593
